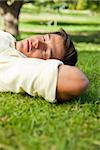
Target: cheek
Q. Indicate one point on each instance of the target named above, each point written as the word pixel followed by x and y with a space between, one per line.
pixel 36 54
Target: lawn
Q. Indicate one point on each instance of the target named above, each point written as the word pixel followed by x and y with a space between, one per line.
pixel 31 123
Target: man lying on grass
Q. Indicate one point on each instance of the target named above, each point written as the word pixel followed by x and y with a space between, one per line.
pixel 42 64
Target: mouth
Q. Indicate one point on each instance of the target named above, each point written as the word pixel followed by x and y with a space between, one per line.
pixel 29 45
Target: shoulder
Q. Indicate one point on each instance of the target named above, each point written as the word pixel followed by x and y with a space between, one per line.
pixel 4 34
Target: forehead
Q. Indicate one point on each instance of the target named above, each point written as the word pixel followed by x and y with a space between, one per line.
pixel 57 44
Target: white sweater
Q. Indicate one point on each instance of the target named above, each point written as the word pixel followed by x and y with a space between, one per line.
pixel 21 74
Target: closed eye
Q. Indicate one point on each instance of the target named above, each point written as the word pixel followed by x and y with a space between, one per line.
pixel 43 39
pixel 51 54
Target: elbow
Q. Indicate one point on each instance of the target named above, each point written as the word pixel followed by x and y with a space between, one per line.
pixel 71 82
pixel 82 86
pixel 85 84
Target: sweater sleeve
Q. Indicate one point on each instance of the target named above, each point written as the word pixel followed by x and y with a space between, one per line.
pixel 6 40
pixel 33 76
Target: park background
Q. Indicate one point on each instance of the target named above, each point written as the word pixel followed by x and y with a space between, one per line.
pixel 31 123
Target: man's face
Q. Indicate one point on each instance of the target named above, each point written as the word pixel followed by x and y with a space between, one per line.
pixel 48 46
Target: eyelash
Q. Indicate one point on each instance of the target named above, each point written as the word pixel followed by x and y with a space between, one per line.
pixel 43 39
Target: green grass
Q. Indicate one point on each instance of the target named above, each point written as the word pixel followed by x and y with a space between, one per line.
pixel 31 123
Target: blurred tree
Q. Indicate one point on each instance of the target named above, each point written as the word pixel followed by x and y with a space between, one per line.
pixel 93 5
pixel 80 4
pixel 10 10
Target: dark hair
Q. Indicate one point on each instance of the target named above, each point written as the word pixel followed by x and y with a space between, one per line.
pixel 70 56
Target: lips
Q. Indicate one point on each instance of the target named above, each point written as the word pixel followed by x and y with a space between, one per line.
pixel 29 45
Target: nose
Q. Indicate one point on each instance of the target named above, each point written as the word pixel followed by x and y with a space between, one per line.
pixel 35 44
